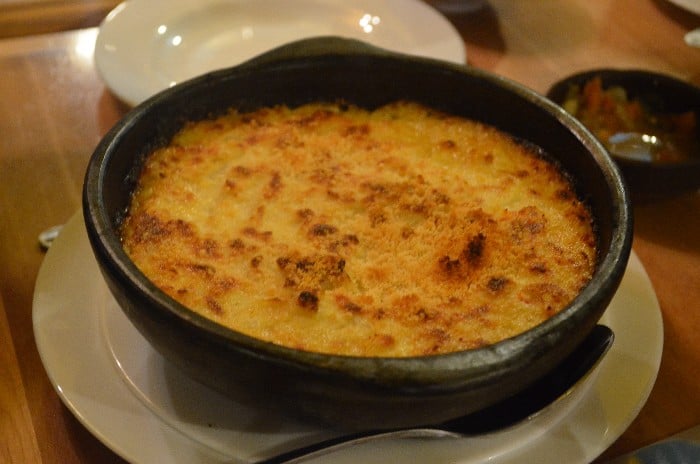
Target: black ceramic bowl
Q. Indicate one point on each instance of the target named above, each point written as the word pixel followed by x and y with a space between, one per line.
pixel 662 94
pixel 353 391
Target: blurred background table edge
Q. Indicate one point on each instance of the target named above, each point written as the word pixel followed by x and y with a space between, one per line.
pixel 28 17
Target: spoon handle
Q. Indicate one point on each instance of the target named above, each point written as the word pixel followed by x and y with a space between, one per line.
pixel 546 391
pixel 332 445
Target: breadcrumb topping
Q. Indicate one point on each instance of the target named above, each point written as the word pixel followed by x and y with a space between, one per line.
pixel 401 231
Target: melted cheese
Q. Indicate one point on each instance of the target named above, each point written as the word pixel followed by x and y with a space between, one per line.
pixel 397 232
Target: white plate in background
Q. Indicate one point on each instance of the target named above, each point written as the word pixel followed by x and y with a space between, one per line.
pixel 690 5
pixel 145 46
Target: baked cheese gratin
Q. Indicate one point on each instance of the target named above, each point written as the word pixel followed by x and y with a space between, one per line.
pixel 401 231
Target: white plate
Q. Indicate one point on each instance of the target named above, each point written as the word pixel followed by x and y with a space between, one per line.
pixel 144 46
pixel 690 5
pixel 146 411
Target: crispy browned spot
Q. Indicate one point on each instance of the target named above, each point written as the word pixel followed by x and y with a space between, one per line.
pixel 474 250
pixel 321 230
pixel 308 300
pixel 496 284
pixel 252 232
pixel 346 304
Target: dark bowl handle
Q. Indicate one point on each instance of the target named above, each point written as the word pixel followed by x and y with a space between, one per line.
pixel 314 47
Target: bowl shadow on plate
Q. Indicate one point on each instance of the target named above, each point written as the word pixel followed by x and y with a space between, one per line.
pixel 197 405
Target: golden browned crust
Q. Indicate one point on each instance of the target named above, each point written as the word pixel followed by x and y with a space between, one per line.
pixel 397 232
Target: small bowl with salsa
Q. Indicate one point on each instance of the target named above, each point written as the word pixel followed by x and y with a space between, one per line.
pixel 648 122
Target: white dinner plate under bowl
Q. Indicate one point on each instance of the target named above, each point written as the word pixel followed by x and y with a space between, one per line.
pixel 145 410
pixel 145 46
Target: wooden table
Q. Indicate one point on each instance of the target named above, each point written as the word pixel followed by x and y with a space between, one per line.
pixel 26 17
pixel 54 109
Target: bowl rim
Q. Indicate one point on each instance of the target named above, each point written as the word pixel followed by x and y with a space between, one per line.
pixel 447 371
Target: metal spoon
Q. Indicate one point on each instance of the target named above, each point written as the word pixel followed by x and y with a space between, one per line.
pixel 692 38
pixel 524 406
pixel 47 236
pixel 634 146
